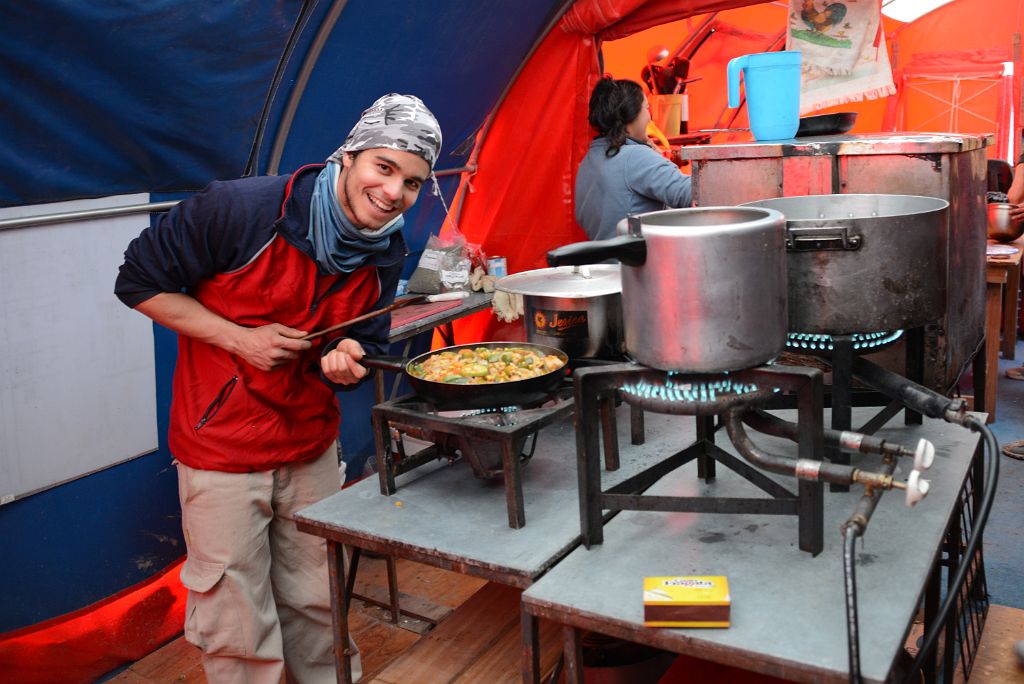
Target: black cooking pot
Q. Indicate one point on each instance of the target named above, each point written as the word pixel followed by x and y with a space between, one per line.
pixel 444 395
pixel 826 124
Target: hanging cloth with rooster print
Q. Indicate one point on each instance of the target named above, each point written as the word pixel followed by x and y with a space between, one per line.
pixel 833 34
pixel 844 53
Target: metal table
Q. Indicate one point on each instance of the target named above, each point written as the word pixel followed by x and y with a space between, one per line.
pixel 788 615
pixel 443 516
pixel 476 301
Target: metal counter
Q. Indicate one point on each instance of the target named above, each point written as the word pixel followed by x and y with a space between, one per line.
pixel 788 611
pixel 949 166
pixel 443 516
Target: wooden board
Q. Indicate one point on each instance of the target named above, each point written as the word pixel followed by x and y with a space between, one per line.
pixel 996 662
pixel 480 642
pixel 454 645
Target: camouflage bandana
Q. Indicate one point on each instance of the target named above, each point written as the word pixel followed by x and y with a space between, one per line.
pixel 396 122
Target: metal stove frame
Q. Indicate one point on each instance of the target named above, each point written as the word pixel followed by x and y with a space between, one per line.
pixel 595 392
pixel 412 411
pixel 841 392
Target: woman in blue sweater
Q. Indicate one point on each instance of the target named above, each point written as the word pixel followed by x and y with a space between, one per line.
pixel 621 173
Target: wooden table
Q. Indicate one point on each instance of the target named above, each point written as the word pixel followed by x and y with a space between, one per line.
pixel 1002 292
pixel 788 615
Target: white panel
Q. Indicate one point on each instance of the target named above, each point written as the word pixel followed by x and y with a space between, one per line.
pixel 77 385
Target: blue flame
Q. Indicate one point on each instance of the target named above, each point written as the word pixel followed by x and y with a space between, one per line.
pixel 861 341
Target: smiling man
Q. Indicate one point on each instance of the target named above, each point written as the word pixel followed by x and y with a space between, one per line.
pixel 242 271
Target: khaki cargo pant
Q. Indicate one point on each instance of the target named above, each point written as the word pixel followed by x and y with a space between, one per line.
pixel 259 597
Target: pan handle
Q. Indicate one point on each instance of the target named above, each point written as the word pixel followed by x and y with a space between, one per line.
pixel 384 362
pixel 629 249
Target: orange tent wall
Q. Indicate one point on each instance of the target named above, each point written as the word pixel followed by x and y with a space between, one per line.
pixel 952 31
pixel 520 202
pixel 971 26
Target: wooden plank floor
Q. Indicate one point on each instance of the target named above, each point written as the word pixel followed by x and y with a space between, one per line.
pixel 381 642
pixel 483 619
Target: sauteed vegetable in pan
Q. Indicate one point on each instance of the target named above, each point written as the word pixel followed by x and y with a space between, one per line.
pixel 481 375
pixel 484 365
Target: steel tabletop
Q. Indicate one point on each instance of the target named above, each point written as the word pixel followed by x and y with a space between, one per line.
pixel 788 607
pixel 443 516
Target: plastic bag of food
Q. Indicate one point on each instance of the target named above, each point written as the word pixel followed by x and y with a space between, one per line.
pixel 455 272
pixel 426 279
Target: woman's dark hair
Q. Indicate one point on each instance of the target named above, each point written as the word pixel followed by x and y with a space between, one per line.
pixel 613 105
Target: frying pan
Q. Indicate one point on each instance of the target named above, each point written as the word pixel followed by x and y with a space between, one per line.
pixel 445 395
pixel 826 124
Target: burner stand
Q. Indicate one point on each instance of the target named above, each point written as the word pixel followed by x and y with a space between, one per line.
pixel 507 438
pixel 595 391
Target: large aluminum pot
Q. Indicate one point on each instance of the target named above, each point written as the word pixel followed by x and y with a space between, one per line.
pixel 863 263
pixel 703 289
pixel 577 309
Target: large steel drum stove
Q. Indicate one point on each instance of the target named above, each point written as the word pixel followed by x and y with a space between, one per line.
pixel 679 371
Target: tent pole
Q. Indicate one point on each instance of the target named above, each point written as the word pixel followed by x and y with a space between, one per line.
pixel 84 215
pixel 301 81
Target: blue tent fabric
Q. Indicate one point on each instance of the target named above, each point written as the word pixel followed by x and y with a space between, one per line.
pixel 104 98
pixel 111 97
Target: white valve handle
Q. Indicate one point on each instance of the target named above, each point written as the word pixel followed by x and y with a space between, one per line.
pixel 917 488
pixel 924 455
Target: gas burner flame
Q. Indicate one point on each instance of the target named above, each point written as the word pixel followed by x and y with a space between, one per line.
pixel 862 342
pixel 677 388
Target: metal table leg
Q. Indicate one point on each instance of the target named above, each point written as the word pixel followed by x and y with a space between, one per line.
pixel 531 646
pixel 339 609
pixel 573 653
pixel 513 485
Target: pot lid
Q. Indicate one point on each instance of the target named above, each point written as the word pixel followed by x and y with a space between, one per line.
pixel 576 282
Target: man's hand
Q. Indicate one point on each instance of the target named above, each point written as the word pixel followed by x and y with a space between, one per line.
pixel 1017 212
pixel 265 347
pixel 270 346
pixel 341 364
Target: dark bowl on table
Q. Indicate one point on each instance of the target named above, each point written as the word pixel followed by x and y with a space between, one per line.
pixel 826 124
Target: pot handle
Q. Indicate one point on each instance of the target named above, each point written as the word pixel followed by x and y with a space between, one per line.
pixel 822 238
pixel 630 250
pixel 383 362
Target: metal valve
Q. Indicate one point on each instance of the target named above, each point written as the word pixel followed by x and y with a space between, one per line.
pixel 917 488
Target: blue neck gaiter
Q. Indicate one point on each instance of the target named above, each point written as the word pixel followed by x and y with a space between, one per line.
pixel 339 246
